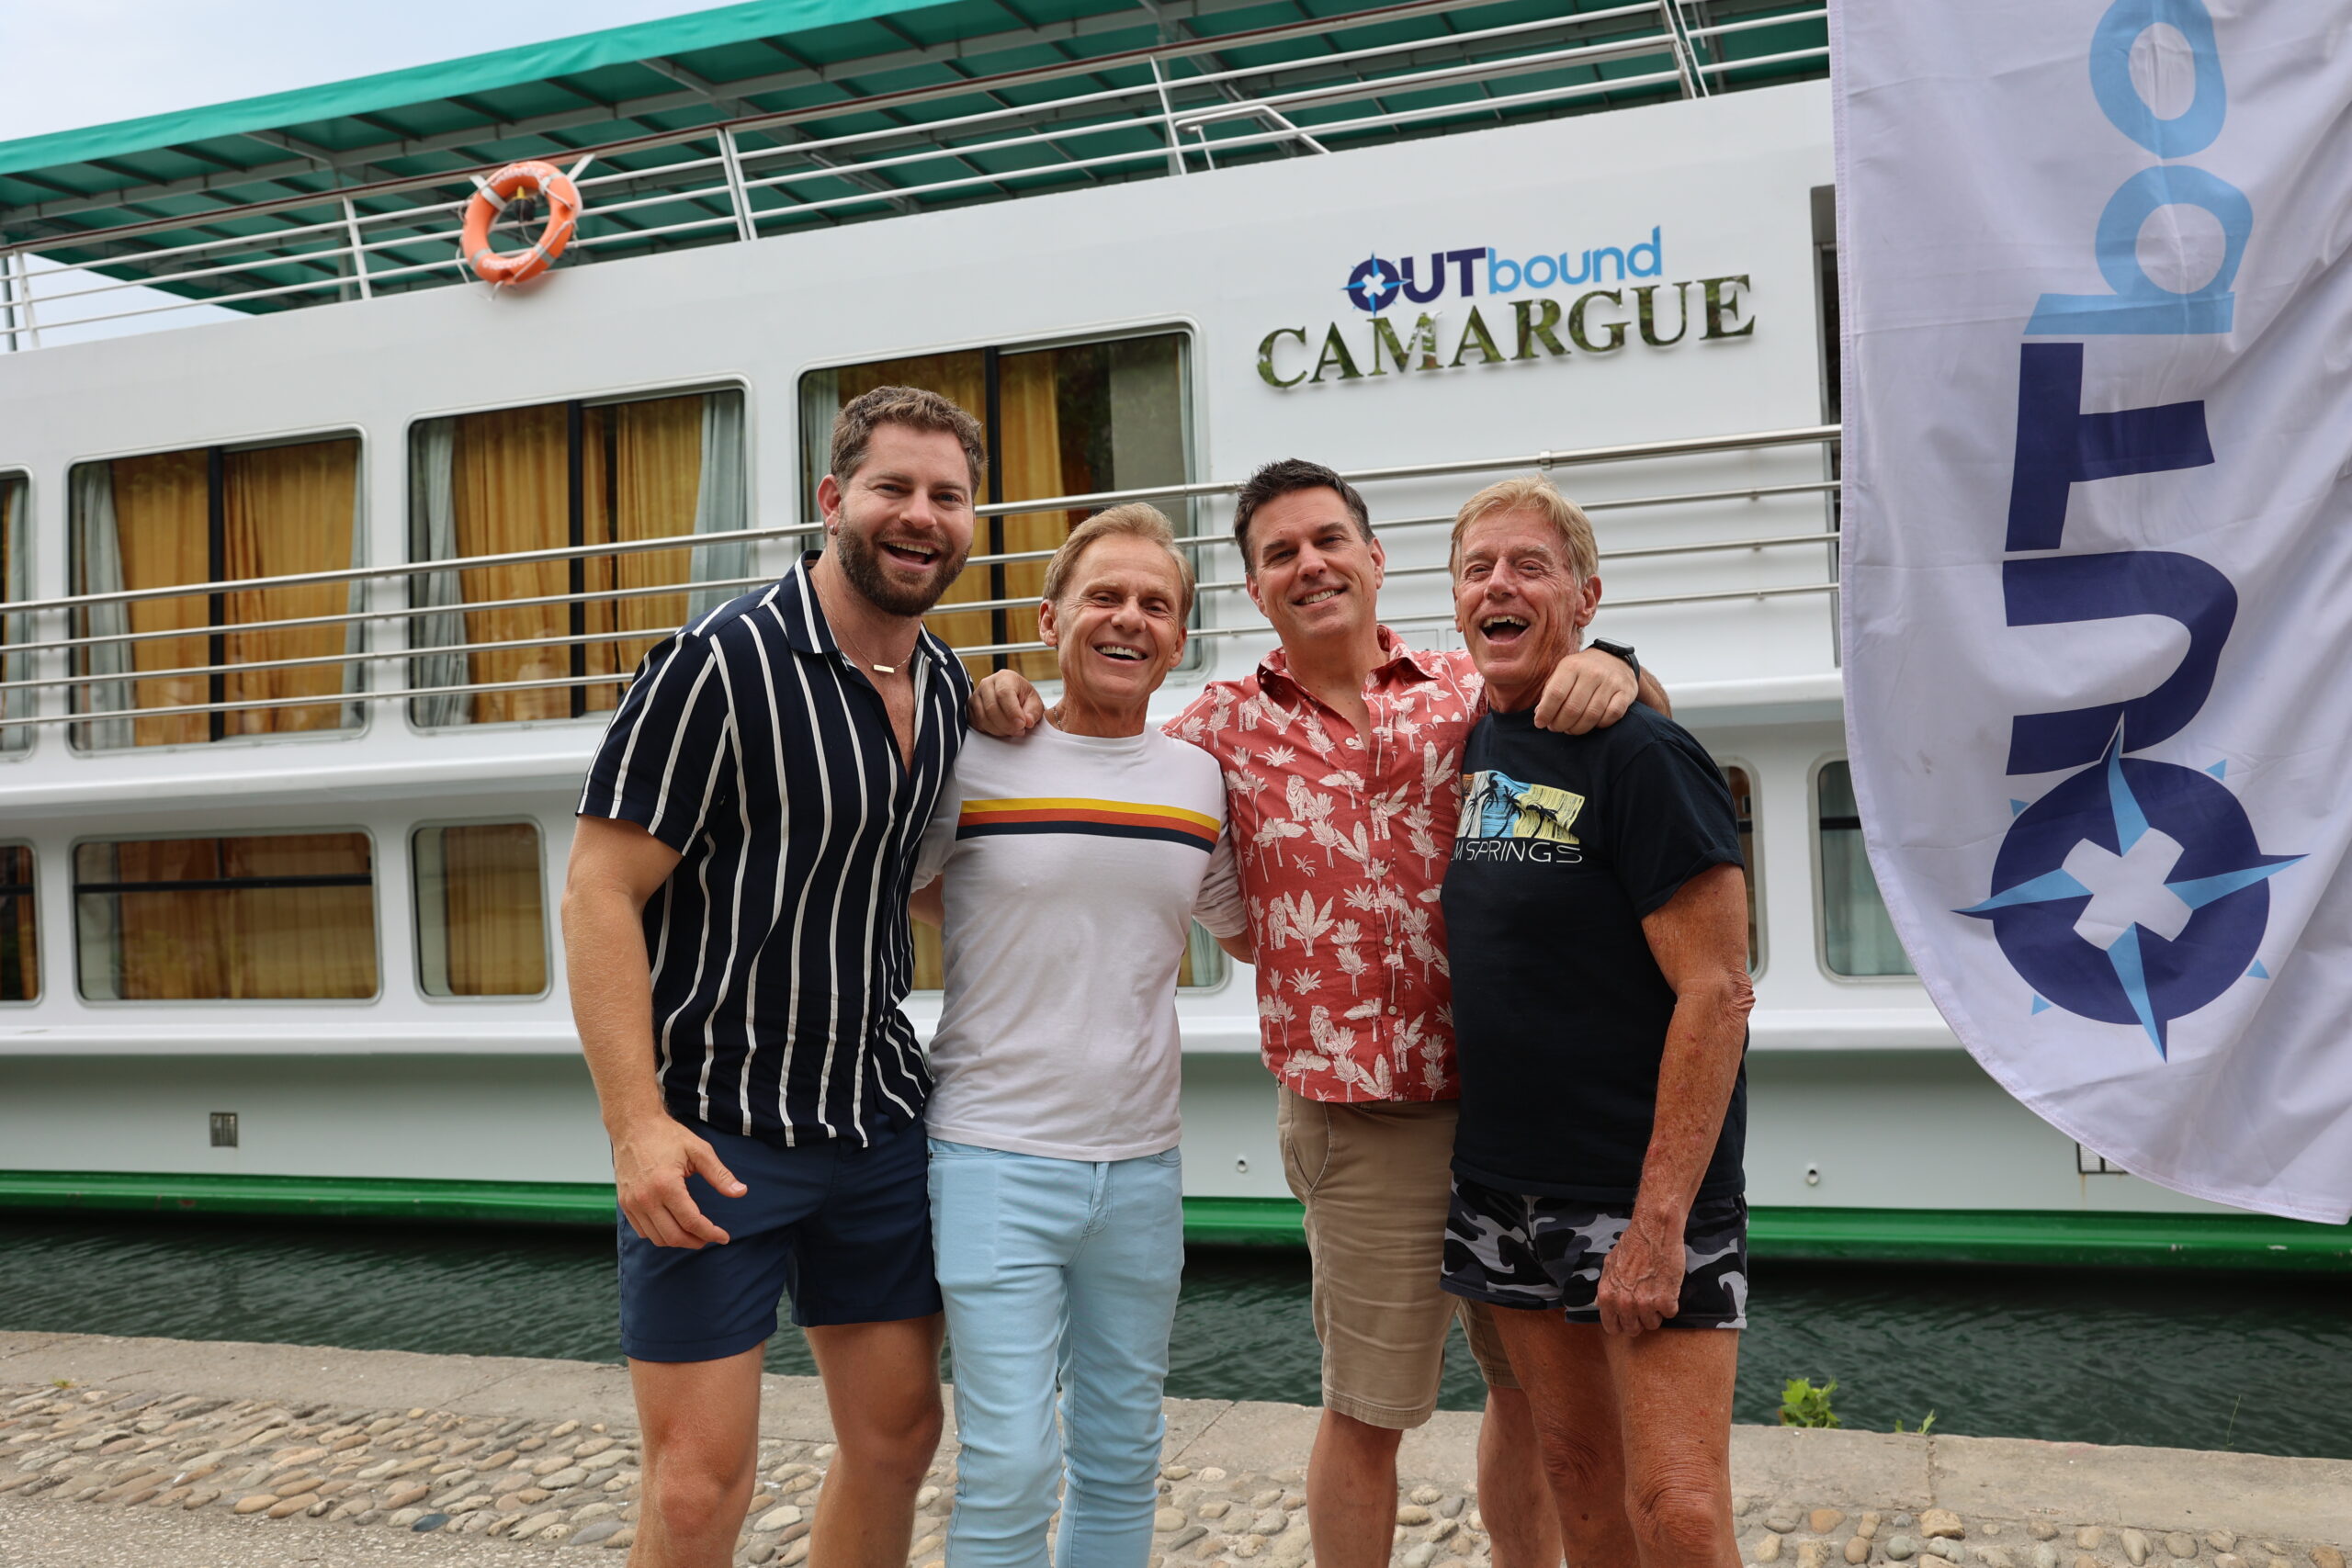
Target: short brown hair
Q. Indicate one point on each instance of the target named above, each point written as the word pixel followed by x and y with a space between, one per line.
pixel 1136 520
pixel 854 426
pixel 1532 493
pixel 1287 476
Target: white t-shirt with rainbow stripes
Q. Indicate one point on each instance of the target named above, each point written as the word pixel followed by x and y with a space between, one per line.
pixel 1074 867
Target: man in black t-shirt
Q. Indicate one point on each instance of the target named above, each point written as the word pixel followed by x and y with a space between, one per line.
pixel 1597 910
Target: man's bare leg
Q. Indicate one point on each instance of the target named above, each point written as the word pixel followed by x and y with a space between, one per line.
pixel 1351 1491
pixel 1566 1375
pixel 882 1388
pixel 1514 1499
pixel 1674 1392
pixel 700 1424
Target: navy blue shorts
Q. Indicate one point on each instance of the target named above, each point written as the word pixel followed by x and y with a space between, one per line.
pixel 845 1231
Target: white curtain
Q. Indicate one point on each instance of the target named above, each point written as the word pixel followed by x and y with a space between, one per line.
pixel 97 552
pixel 720 501
pixel 433 535
pixel 15 589
pixel 820 404
pixel 1858 936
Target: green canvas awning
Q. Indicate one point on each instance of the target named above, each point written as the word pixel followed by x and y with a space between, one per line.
pixel 292 176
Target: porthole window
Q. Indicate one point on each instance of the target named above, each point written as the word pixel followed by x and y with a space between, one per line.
pixel 260 916
pixel 1857 937
pixel 19 952
pixel 480 910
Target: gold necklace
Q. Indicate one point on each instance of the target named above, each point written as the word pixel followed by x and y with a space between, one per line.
pixel 862 659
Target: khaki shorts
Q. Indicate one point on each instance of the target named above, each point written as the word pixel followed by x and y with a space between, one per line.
pixel 1376 1178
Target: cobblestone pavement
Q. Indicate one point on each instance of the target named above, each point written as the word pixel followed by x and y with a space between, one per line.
pixel 562 1487
pixel 574 1484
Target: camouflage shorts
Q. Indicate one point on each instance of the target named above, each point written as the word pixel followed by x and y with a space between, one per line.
pixel 1515 1249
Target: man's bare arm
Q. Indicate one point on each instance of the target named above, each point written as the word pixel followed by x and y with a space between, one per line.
pixel 1239 947
pixel 1587 690
pixel 1699 940
pixel 615 867
pixel 1655 694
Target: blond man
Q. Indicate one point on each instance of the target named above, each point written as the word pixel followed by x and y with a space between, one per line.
pixel 1073 861
pixel 1597 906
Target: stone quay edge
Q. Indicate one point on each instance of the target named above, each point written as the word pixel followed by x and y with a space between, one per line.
pixel 135 1450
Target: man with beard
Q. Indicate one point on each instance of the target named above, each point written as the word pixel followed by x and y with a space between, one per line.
pixel 735 920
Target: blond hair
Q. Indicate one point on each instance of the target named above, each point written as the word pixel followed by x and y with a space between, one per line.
pixel 1134 520
pixel 1532 493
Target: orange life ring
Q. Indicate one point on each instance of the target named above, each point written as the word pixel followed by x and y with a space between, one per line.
pixel 543 180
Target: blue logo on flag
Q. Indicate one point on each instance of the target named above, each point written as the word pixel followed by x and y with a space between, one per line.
pixel 2133 893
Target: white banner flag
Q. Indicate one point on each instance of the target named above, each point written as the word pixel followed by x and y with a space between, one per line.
pixel 2097 520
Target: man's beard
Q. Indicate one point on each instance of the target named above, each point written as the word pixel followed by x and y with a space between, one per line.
pixel 862 565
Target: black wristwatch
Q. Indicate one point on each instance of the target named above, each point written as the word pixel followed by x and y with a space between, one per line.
pixel 1623 650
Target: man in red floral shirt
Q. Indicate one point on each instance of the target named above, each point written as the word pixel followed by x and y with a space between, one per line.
pixel 1341 755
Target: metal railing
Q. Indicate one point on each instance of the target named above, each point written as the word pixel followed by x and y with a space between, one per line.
pixel 758 174
pixel 59 690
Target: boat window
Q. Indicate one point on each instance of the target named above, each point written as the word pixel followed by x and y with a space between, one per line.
pixel 1857 937
pixel 1743 800
pixel 550 477
pixel 1075 420
pixel 480 910
pixel 15 585
pixel 214 514
pixel 20 954
pixel 1202 968
pixel 288 915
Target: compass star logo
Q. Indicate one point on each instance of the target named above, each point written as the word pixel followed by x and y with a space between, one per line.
pixel 2133 893
pixel 1374 284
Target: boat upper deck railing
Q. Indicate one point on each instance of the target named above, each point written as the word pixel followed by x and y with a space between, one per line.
pixel 59 670
pixel 1179 106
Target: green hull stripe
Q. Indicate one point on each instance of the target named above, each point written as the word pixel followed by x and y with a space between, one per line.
pixel 1924 1235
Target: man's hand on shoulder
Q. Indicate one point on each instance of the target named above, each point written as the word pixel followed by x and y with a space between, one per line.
pixel 1589 690
pixel 651 1160
pixel 1006 705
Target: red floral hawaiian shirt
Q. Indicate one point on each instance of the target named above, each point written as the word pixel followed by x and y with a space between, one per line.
pixel 1343 843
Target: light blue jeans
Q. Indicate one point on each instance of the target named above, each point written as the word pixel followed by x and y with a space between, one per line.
pixel 1057 1270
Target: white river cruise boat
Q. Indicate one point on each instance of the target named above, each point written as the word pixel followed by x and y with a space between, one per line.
pixel 324 561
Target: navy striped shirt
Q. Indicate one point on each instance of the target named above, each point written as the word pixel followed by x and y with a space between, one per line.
pixel 754 746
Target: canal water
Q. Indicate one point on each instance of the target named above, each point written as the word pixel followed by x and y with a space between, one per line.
pixel 2261 1364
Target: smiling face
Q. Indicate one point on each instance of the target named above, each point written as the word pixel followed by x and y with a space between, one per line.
pixel 1518 603
pixel 902 525
pixel 1312 571
pixel 1118 626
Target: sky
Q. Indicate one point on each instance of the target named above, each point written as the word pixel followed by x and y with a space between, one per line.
pixel 79 63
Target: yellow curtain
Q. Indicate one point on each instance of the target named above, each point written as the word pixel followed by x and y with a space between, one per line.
pixel 1030 453
pixel 19 955
pixel 213 944
pixel 494 917
pixel 288 509
pixel 931 959
pixel 962 379
pixel 511 492
pixel 169 945
pixel 163 517
pixel 656 477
